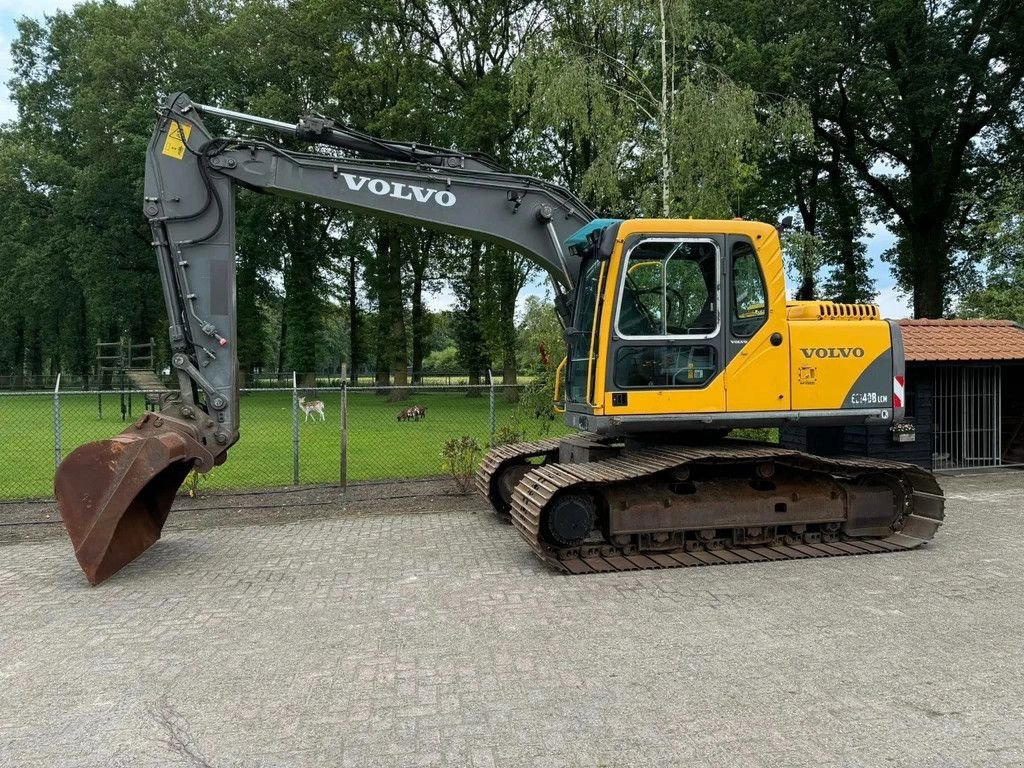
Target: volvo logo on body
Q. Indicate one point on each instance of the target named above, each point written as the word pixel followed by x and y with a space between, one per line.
pixel 824 353
pixel 399 191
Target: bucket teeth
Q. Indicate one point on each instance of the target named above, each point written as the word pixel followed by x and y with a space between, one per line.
pixel 114 495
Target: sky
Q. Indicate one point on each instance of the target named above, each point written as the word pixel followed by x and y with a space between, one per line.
pixel 891 302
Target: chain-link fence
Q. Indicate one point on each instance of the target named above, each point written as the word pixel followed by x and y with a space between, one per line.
pixel 289 435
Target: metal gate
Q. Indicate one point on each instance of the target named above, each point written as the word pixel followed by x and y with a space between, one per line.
pixel 968 415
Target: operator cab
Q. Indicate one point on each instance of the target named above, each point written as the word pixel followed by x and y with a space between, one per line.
pixel 662 309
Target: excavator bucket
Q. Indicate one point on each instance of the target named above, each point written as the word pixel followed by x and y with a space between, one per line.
pixel 114 495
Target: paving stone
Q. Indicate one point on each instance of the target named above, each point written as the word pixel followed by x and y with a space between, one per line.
pixel 437 639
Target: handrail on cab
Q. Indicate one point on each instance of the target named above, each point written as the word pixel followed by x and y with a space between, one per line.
pixel 558 385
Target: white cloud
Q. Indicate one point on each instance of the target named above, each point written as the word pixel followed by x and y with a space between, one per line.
pixel 893 303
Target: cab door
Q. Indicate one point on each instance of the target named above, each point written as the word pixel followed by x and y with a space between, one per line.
pixel 665 341
pixel 757 372
pixel 583 341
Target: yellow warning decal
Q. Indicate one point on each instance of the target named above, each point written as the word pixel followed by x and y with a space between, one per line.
pixel 177 135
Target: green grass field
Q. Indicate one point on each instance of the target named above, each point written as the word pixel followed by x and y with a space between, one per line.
pixel 379 446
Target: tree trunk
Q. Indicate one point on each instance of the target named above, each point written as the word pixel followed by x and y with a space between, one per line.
pixel 19 352
pixel 382 247
pixel 418 330
pixel 391 334
pixel 35 352
pixel 282 340
pixel 397 334
pixel 510 278
pixel 355 352
pixel 847 230
pixel 472 334
pixel 420 325
pixel 81 346
pixel 802 250
pixel 930 258
pixel 302 302
pixel 510 376
pixel 249 331
pixel 663 108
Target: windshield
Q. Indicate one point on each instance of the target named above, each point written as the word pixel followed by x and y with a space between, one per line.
pixel 670 289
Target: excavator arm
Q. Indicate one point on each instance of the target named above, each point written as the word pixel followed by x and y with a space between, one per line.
pixel 114 495
pixel 190 181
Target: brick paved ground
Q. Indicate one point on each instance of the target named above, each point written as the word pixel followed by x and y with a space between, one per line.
pixel 437 639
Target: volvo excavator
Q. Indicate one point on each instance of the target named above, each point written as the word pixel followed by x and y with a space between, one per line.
pixel 677 331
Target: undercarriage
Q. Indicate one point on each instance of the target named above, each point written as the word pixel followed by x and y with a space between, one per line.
pixel 589 505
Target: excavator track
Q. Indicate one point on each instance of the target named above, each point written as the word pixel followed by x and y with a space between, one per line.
pixel 914 498
pixel 491 479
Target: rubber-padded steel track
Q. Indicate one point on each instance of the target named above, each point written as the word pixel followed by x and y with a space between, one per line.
pixel 921 518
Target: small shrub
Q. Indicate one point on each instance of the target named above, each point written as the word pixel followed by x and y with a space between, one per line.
pixel 461 455
pixel 191 485
pixel 512 431
pixel 535 410
pixel 760 434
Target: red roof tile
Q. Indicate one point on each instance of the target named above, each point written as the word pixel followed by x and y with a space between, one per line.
pixel 938 340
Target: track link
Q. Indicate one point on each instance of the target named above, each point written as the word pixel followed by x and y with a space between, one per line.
pixel 537 489
pixel 503 457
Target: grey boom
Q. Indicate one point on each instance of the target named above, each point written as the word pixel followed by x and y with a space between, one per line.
pixel 190 203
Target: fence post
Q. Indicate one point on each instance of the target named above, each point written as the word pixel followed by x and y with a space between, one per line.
pixel 295 429
pixel 344 427
pixel 56 424
pixel 490 382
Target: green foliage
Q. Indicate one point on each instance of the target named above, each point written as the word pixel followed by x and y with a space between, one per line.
pixel 191 485
pixel 999 239
pixel 642 131
pixel 511 431
pixel 461 456
pixel 907 113
pixel 759 434
pixel 534 414
pixel 914 106
pixel 540 333
pixel 442 361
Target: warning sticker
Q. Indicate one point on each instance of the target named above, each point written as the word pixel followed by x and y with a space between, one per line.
pixel 177 135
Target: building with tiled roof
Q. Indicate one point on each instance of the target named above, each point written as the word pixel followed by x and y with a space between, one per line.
pixel 965 340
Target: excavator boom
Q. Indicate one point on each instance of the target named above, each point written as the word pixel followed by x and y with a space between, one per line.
pixel 114 495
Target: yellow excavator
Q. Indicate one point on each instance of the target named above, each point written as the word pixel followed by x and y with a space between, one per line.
pixel 677 331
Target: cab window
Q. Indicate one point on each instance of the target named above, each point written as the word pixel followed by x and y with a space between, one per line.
pixel 749 297
pixel 665 366
pixel 579 344
pixel 670 288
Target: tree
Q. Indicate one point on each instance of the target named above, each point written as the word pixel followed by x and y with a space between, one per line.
pixel 645 124
pixel 999 239
pixel 464 51
pixel 915 98
pixel 85 83
pixel 540 334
